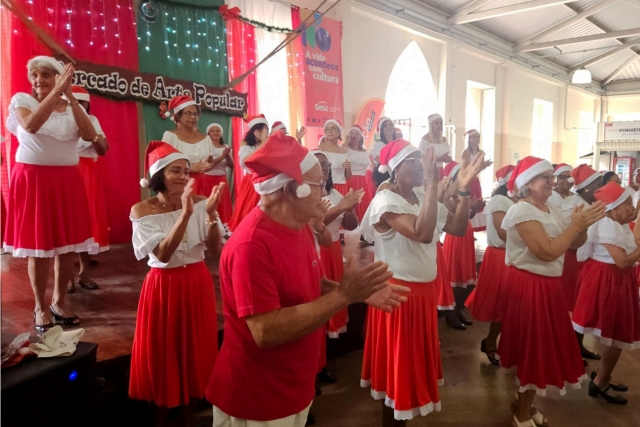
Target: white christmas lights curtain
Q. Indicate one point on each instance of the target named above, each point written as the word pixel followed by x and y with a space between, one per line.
pixel 273 75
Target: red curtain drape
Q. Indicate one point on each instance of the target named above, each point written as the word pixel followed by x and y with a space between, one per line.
pixel 101 32
pixel 241 56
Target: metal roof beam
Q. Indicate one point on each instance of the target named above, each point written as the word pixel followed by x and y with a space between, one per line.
pixel 506 10
pixel 569 21
pixel 468 8
pixel 583 39
pixel 605 55
pixel 621 69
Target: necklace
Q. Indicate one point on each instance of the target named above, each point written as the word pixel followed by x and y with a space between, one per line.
pixel 185 237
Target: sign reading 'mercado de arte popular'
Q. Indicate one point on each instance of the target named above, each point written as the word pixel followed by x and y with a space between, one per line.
pixel 119 83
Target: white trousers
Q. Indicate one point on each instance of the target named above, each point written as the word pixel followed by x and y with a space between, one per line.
pixel 220 419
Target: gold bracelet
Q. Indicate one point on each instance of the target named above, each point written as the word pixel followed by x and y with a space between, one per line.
pixel 318 232
pixel 211 223
pixel 74 103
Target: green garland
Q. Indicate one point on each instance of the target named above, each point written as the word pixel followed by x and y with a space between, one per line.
pixel 262 25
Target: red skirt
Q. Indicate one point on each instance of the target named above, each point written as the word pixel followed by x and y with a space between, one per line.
pixel 341 188
pixel 246 201
pixel 206 186
pixel 537 338
pixel 460 255
pixel 333 266
pixel 176 341
pixel 359 182
pixel 569 278
pixel 486 301
pixel 97 207
pixel 47 213
pixel 607 305
pixel 370 183
pixel 401 360
pixel 446 301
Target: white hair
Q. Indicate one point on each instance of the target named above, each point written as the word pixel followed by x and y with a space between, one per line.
pixel 524 192
pixel 36 62
pixel 274 197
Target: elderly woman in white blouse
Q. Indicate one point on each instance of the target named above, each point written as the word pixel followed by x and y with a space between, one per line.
pixel 187 139
pixel 45 182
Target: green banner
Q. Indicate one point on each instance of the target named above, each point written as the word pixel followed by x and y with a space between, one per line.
pixel 185 43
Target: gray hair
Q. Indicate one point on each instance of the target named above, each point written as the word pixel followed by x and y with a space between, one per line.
pixel 524 192
pixel 274 197
pixel 43 64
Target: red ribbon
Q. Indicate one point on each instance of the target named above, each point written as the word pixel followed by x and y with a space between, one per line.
pixel 229 13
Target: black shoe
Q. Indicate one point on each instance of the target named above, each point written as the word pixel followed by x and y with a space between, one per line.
pixel 41 328
pixel 615 387
pixel 454 322
pixel 93 263
pixel 493 360
pixel 89 285
pixel 595 391
pixel 463 319
pixel 586 354
pixel 311 420
pixel 327 376
pixel 74 320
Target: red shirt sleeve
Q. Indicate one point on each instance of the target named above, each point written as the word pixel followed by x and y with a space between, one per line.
pixel 254 276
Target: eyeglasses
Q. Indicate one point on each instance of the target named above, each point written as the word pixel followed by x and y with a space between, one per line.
pixel 331 129
pixel 549 178
pixel 189 114
pixel 321 184
pixel 563 177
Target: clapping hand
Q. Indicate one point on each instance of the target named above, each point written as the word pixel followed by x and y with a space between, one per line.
pixel 317 221
pixel 583 217
pixel 300 133
pixel 469 170
pixel 187 201
pixel 214 199
pixel 63 81
pixel 443 186
pixel 360 284
pixel 351 199
pixel 429 168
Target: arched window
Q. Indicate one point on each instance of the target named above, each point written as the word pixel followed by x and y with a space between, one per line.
pixel 411 93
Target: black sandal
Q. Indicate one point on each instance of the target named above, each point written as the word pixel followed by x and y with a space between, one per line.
pixel 595 391
pixel 89 285
pixel 73 320
pixel 42 328
pixel 615 387
pixel 493 360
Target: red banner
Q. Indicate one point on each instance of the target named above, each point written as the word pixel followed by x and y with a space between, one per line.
pixel 322 46
pixel 368 119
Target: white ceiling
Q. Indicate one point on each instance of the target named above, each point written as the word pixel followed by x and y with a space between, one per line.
pixel 518 29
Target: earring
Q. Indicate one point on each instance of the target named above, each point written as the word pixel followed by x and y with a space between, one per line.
pixel 586 190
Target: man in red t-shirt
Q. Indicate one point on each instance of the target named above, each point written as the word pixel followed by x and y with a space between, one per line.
pixel 276 300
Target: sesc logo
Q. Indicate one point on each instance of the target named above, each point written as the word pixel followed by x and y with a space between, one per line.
pixel 322 106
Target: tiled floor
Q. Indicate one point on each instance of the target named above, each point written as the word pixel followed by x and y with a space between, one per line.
pixel 475 394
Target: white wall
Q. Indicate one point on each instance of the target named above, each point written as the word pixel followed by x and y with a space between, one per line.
pixel 372 41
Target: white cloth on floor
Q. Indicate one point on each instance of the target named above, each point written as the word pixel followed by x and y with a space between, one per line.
pixel 56 342
pixel 221 419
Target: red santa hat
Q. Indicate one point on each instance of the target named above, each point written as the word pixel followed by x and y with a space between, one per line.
pixel 584 175
pixel 215 125
pixel 279 126
pixel 432 118
pixel 398 132
pixel 562 168
pixel 158 155
pixel 394 153
pixel 179 103
pixel 80 93
pixel 280 160
pixel 503 174
pixel 335 123
pixel 451 169
pixel 255 120
pixel 381 122
pixel 468 135
pixel 525 171
pixel 52 62
pixel 358 129
pixel 613 195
